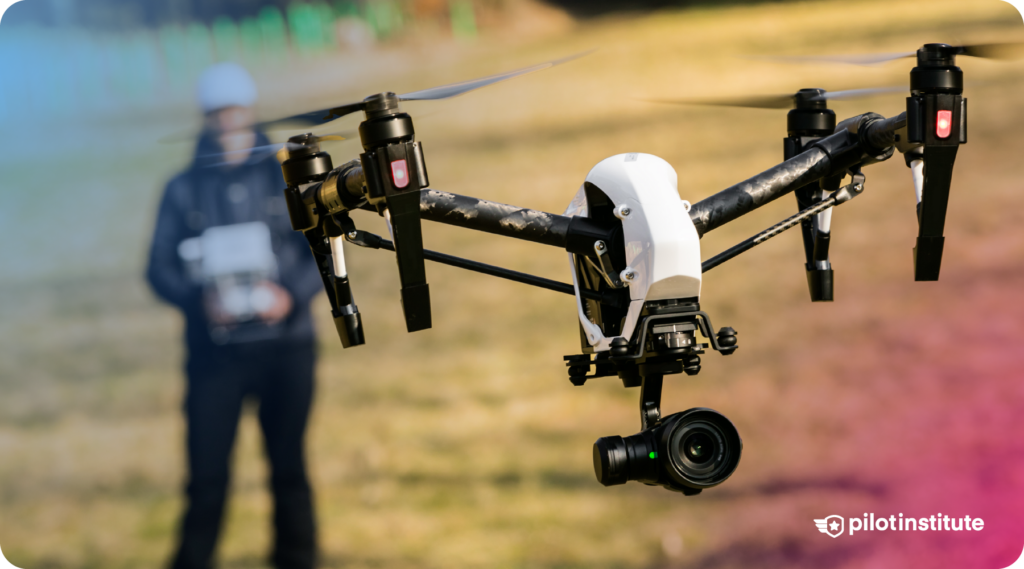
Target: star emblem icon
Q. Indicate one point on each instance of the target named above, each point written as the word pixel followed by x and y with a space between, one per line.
pixel 831 526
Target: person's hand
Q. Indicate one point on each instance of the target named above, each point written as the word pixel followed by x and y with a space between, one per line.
pixel 279 305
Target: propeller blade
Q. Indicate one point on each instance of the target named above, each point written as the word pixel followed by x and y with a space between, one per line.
pixel 322 116
pixel 456 89
pixel 755 102
pixel 857 59
pixel 254 154
pixel 861 93
pixel 782 101
pixel 1000 51
pixel 312 118
pixel 259 153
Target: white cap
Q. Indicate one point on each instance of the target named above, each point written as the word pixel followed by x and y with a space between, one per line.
pixel 225 85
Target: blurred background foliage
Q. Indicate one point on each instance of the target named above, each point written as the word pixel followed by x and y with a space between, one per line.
pixel 108 54
pixel 465 445
pixel 111 54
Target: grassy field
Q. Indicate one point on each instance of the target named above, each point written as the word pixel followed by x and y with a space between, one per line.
pixel 466 445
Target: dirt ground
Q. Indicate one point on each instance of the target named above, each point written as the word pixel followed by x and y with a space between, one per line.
pixel 466 445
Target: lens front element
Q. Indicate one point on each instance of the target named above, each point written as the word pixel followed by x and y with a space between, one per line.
pixel 703 448
pixel 698 448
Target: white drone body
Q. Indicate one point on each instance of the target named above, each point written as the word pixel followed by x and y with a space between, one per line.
pixel 662 248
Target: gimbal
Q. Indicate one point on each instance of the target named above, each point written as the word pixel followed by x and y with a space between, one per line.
pixel 632 244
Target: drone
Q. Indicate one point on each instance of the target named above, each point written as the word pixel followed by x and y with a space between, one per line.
pixel 633 245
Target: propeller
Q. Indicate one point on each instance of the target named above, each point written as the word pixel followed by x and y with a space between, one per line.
pixel 259 153
pixel 999 51
pixel 394 172
pixel 788 101
pixel 322 116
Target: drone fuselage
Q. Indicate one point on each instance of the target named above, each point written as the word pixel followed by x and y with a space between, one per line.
pixel 660 246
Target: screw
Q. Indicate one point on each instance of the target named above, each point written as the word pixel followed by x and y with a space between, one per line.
pixel 352 234
pixel 625 212
pixel 599 245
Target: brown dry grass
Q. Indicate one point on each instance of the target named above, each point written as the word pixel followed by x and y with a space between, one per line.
pixel 466 446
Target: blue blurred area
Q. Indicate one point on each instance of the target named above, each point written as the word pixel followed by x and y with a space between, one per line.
pixel 59 72
pixel 57 67
pixel 86 96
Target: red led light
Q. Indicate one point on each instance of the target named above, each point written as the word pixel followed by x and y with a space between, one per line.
pixel 400 173
pixel 944 124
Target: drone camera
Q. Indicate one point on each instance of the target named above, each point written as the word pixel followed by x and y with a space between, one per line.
pixel 685 452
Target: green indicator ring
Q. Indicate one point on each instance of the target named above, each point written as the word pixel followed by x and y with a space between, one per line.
pixel 653 454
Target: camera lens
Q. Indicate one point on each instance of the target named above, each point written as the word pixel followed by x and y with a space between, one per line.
pixel 703 448
pixel 618 460
pixel 686 452
pixel 611 461
pixel 698 448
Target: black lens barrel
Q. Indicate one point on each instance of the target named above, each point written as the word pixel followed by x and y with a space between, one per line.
pixel 618 460
pixel 611 463
pixel 687 451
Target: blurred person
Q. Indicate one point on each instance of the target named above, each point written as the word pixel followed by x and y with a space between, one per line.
pixel 225 255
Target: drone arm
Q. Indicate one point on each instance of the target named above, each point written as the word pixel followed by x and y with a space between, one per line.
pixel 881 134
pixel 492 217
pixel 344 190
pixel 852 144
pixel 575 234
pixel 744 197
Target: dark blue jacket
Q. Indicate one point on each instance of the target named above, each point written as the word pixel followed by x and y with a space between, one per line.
pixel 205 196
